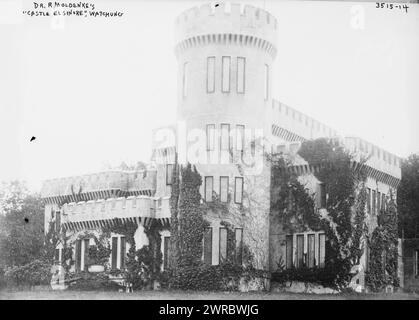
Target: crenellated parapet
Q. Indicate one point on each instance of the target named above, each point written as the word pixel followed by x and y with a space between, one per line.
pixel 98 213
pixel 227 24
pixel 375 157
pixel 292 125
pixel 101 185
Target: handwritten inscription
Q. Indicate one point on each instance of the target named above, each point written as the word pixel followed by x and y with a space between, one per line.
pixel 77 9
pixel 391 6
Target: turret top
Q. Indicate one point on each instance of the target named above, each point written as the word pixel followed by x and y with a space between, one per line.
pixel 226 18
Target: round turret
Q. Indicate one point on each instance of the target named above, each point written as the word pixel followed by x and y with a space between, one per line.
pixel 225 55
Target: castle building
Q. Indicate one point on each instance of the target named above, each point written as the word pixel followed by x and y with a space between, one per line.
pixel 226 120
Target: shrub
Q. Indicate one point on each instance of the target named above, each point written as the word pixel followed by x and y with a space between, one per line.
pixel 224 277
pixel 98 255
pixel 92 282
pixel 35 273
pixel 321 276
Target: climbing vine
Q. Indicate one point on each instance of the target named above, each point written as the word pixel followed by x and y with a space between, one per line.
pixel 383 246
pixel 344 224
pixel 290 199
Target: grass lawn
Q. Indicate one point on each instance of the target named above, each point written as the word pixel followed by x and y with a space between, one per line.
pixel 180 295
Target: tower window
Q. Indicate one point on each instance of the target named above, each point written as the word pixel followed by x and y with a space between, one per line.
pixel 225 137
pixel 238 190
pixel 368 200
pixel 239 137
pixel 210 74
pixel 241 72
pixel 266 82
pixel 209 186
pixel 226 74
pixel 210 137
pixel 185 79
pixel 223 189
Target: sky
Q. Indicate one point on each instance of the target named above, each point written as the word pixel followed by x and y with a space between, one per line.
pixel 91 90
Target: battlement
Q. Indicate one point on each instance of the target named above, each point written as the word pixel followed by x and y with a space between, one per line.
pixel 108 180
pixel 301 125
pixel 225 18
pixel 377 157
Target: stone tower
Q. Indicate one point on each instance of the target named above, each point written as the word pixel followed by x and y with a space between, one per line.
pixel 225 54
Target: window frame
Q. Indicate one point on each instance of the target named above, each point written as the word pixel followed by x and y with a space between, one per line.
pixel 320 263
pixel 297 264
pixel 228 184
pixel 208 129
pixel 311 239
pixel 266 82
pixel 239 253
pixel 289 248
pixel 223 125
pixel 205 188
pixel 220 242
pixel 169 183
pixel 373 202
pixel 213 74
pixel 114 253
pixel 210 229
pixel 238 75
pixel 235 190
pixel 184 79
pixel 166 253
pixel 240 128
pixel 227 58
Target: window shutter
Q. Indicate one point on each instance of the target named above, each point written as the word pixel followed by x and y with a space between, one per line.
pixel 122 253
pixel 57 221
pixel 114 252
pixel 86 254
pixel 78 255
